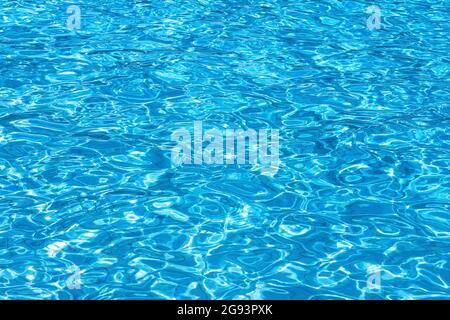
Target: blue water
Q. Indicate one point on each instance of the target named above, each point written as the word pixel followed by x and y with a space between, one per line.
pixel 91 206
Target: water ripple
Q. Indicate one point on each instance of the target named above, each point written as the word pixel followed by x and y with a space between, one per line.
pixel 92 207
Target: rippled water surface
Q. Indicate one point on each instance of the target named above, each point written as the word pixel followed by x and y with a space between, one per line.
pixel 91 206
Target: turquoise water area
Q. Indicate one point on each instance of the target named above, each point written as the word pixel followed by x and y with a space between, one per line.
pixel 91 206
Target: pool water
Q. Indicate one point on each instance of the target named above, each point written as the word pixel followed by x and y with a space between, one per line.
pixel 92 206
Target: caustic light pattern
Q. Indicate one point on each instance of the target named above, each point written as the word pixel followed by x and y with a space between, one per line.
pixel 92 207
